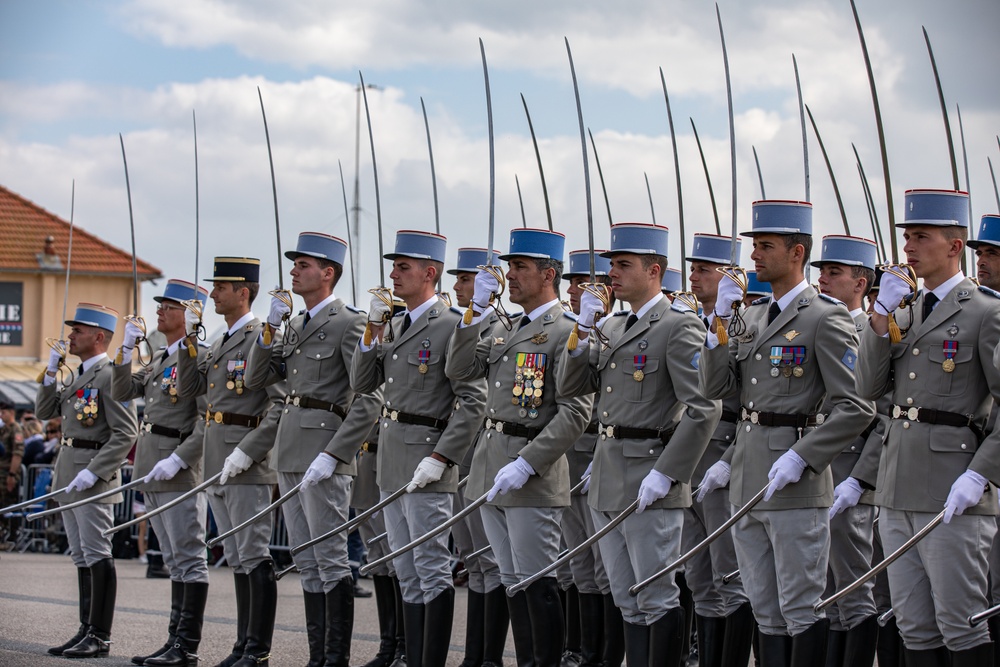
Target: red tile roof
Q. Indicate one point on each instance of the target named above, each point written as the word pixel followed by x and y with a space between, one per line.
pixel 24 226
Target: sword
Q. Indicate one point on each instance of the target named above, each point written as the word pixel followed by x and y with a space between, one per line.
pixel 477 553
pixel 164 507
pixel 976 619
pixel 353 523
pixel 944 110
pixel 760 174
pixel 652 209
pixel 350 244
pixel 885 617
pixel 701 546
pixel 80 503
pixel 541 172
pixel 677 177
pixel 33 501
pixel 726 578
pixel 378 538
pixel 802 125
pixel 829 168
pixel 993 175
pixel 256 517
pixel 872 213
pixel 60 344
pixel 965 164
pixel 195 305
pixel 434 188
pixel 524 219
pixel 708 179
pixel 134 318
pixel 600 176
pixel 288 570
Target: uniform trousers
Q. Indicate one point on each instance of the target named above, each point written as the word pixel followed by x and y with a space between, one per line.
pixel 850 557
pixel 635 549
pixel 587 569
pixel 85 526
pixel 425 571
pixel 995 567
pixel 704 572
pixel 525 540
pixel 181 533
pixel 783 555
pixel 369 529
pixel 470 536
pixel 232 505
pixel 310 513
pixel 940 581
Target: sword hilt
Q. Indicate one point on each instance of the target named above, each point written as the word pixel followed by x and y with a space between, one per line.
pixel 286 298
pixel 60 347
pixel 907 274
pixel 688 299
pixel 384 294
pixel 736 326
pixel 196 307
pixel 600 291
pixel 497 273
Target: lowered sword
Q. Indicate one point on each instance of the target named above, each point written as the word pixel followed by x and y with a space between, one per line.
pixel 164 507
pixel 33 501
pixel 256 517
pixel 79 503
pixel 281 292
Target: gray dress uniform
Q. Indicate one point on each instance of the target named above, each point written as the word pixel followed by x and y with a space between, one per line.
pixel 784 553
pixel 425 412
pixel 652 417
pixel 170 425
pixel 938 583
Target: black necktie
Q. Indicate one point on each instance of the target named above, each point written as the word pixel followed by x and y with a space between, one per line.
pixel 632 319
pixel 929 301
pixel 225 337
pixel 525 321
pixel 166 353
pixel 773 312
pixel 305 320
pixel 406 324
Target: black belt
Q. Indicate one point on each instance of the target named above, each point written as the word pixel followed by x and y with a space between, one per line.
pixel 779 420
pixel 592 428
pixel 628 433
pixel 512 428
pixel 156 429
pixel 316 404
pixel 932 416
pixel 730 416
pixel 408 418
pixel 81 443
pixel 369 447
pixel 233 418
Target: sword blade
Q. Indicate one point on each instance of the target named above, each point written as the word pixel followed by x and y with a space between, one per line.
pixel 69 257
pixel 350 241
pixel 131 224
pixel 733 259
pixel 802 125
pixel 274 190
pixel 760 174
pixel 652 209
pixel 677 177
pixel 520 199
pixel 708 179
pixel 33 501
pixel 256 517
pixel 86 501
pixel 876 227
pixel 197 206
pixel 430 152
pixel 378 198
pixel 353 523
pixel 600 177
pixel 489 123
pixel 164 507
pixel 944 110
pixel 538 159
pixel 829 168
pixel 586 164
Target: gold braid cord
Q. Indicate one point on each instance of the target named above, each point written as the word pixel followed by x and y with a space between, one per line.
pixel 905 273
pixel 385 296
pixel 737 327
pixel 141 323
pixel 195 306
pixel 599 290
pixel 494 301
pixel 60 347
pixel 286 298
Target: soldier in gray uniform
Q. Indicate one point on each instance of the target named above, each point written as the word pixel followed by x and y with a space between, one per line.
pixel 428 423
pixel 723 616
pixel 97 433
pixel 654 428
pixel 941 377
pixel 519 457
pixel 321 430
pixel 798 350
pixel 240 425
pixel 168 455
pixel 487 618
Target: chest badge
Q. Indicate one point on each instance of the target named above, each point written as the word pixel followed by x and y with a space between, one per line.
pixel 950 349
pixel 791 335
pixel 539 338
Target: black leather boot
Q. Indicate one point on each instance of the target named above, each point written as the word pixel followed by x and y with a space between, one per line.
pixel 438 616
pixel 836 644
pixel 935 657
pixel 475 627
pixel 242 584
pixel 687 605
pixel 591 629
pixel 184 651
pixel 977 656
pixel 385 606
pixel 666 639
pixel 315 607
pixel 176 600
pixel 637 645
pixel 546 622
pixel 570 599
pixel 859 649
pixel 520 628
pixel 889 650
pixel 339 623
pixel 260 622
pixel 413 624
pixel 104 591
pixel 711 640
pixel 399 659
pixel 614 633
pixel 83 591
pixel 775 650
pixel 809 646
pixel 738 640
pixel 496 621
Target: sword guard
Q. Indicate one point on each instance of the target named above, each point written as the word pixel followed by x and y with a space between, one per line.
pixel 688 299
pixel 906 273
pixel 737 326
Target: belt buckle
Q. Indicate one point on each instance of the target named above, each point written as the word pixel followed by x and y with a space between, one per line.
pixel 218 417
pixel 754 417
pixel 394 415
pixel 296 400
pixel 897 412
pixel 820 418
pixel 608 431
pixel 913 414
pixel 68 442
pixel 498 426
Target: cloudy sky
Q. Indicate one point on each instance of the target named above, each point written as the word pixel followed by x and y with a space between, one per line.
pixel 75 73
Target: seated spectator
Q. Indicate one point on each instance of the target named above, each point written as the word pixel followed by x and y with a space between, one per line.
pixel 34 443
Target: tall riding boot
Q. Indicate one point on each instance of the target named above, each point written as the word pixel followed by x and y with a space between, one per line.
pixel 104 583
pixel 260 624
pixel 637 645
pixel 666 639
pixel 889 649
pixel 859 650
pixel 935 657
pixel 496 620
pixel 977 656
pixel 184 652
pixel 413 623
pixel 475 627
pixel 591 629
pixel 83 590
pixel 809 646
pixel 775 650
pixel 242 585
pixel 176 600
pixel 571 612
pixel 738 641
pixel 546 622
pixel 836 645
pixel 711 641
pixel 687 604
pixel 520 627
pixel 438 616
pixel 399 658
pixel 614 633
pixel 385 606
pixel 315 606
pixel 339 623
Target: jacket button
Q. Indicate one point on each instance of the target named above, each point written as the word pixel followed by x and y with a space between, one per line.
pixel 493 411
pixel 317 355
pixel 963 445
pixel 286 411
pixel 652 451
pixel 753 380
pixel 906 424
pixel 750 404
pixel 215 366
pixel 748 428
pixel 909 401
pixel 757 357
pixel 489 435
pixel 322 424
pixel 395 356
pixel 211 385
pixel 389 403
pixel 604 414
pixel 913 376
pixel 295 371
pixel 505 357
pixel 497 384
pixel 609 390
pixel 427 439
pixel 614 365
pixel 390 380
pixel 298 351
pixel 916 351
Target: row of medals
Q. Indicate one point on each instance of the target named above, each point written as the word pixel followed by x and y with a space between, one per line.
pixel 528 383
pixel 787 371
pixel 86 411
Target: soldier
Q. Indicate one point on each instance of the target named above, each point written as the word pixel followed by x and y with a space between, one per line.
pixel 671 282
pixel 11 455
pixel 519 458
pixel 846 271
pixel 168 455
pixel 941 378
pixel 428 423
pixel 722 611
pixel 240 425
pixel 97 434
pixel 799 349
pixel 321 430
pixel 654 426
pixel 487 618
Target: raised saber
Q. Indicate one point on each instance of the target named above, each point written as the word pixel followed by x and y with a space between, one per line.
pixel 520 199
pixel 434 183
pixel 829 168
pixel 708 178
pixel 760 174
pixel 59 345
pixel 993 175
pixel 876 227
pixel 538 159
pixel 600 176
pixel 944 110
pixel 281 292
pixel 164 507
pixel 134 318
pixel 194 304
pixel 80 503
pixel 256 517
pixel 802 125
pixel 353 523
pixel 350 244
pixel 677 177
pixel 965 164
pixel 652 209
pixel 34 501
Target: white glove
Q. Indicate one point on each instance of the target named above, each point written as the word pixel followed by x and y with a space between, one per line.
pixel 845 495
pixel 321 468
pixel 428 471
pixel 654 486
pixel 279 311
pixel 234 464
pixel 191 321
pixel 590 308
pixel 378 311
pixel 132 334
pixel 485 286
pixel 55 356
pixel 83 481
pixel 716 477
pixel 586 477
pixel 729 293
pixel 786 470
pixel 966 492
pixel 891 291
pixel 511 477
pixel 166 469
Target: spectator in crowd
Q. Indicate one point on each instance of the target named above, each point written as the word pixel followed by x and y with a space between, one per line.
pixel 34 443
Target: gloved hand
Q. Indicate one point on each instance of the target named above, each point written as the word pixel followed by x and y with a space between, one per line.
pixel 191 321
pixel 132 334
pixel 654 486
pixel 278 312
pixel 891 291
pixel 166 469
pixel 966 492
pixel 83 481
pixel 586 477
pixel 511 477
pixel 321 468
pixel 429 470
pixel 590 308
pixel 786 470
pixel 845 495
pixel 55 356
pixel 234 464
pixel 378 311
pixel 486 285
pixel 716 477
pixel 729 293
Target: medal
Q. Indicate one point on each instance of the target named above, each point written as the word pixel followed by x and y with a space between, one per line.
pixel 639 362
pixel 79 416
pixel 424 356
pixel 798 372
pixel 230 385
pixel 522 413
pixel 537 401
pixel 533 413
pixel 786 371
pixel 638 375
pixel 517 390
pixel 799 358
pixel 950 349
pixel 775 372
pixel 775 357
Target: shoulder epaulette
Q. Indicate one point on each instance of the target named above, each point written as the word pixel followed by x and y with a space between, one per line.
pixel 456 309
pixel 761 301
pixel 680 307
pixel 991 292
pixel 569 315
pixel 353 309
pixel 827 297
pixel 620 312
